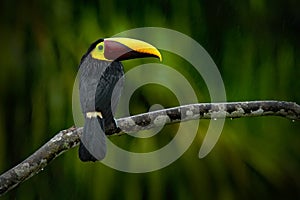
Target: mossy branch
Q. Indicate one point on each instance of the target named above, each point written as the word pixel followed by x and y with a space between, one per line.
pixel 67 139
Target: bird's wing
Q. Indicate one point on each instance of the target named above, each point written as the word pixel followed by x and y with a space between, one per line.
pixel 90 73
pixel 109 88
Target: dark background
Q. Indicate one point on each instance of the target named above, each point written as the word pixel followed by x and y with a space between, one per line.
pixel 255 45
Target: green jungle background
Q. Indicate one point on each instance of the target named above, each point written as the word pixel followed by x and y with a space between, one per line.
pixel 255 44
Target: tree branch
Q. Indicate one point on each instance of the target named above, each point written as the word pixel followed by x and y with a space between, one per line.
pixel 67 139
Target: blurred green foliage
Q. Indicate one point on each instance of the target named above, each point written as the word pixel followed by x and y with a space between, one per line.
pixel 255 45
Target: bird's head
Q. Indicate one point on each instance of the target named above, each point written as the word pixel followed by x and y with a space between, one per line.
pixel 118 49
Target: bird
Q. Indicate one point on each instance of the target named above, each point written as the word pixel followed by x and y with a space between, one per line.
pixel 100 84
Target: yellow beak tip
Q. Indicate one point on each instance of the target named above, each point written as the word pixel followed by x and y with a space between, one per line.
pixel 157 55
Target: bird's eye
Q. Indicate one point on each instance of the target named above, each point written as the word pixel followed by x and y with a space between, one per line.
pixel 100 47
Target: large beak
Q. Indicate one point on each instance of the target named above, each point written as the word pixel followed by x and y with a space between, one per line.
pixel 126 48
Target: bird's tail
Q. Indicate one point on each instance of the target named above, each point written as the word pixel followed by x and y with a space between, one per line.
pixel 93 145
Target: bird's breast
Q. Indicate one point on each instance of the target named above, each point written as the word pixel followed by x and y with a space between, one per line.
pixel 97 81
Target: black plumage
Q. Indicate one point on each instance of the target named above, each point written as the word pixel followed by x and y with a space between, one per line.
pixel 98 80
pixel 100 85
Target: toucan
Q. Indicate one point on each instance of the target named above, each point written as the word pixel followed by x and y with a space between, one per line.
pixel 100 85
